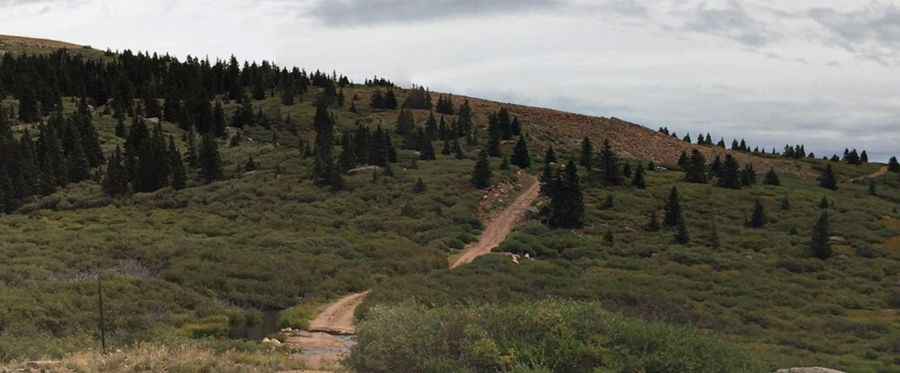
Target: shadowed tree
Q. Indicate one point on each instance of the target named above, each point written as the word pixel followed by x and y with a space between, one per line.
pixel 820 245
pixel 481 174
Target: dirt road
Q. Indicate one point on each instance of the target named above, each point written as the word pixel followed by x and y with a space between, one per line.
pixel 337 318
pixel 500 227
pixel 329 337
pixel 881 172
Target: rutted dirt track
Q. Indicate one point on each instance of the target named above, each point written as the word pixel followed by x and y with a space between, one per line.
pixel 500 227
pixel 329 340
pixel 881 172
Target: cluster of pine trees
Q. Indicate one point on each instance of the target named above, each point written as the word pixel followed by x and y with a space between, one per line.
pixel 65 151
pixel 40 81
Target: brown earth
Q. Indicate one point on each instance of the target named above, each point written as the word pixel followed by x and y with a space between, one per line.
pixel 501 226
pixel 329 338
pixel 881 172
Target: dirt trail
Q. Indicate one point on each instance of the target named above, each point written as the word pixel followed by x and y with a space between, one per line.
pixel 329 338
pixel 500 227
pixel 881 172
pixel 337 318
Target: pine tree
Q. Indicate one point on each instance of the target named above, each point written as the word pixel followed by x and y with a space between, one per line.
pixel 550 156
pixel 894 165
pixel 820 244
pixel 445 148
pixel 674 214
pixel 520 155
pixel 748 175
pixel 481 174
pixel 828 180
pixel 347 159
pixel 772 178
pixel 427 150
pixel 8 202
pixel 873 190
pixel 638 180
pixel 696 168
pixel 419 187
pixel 504 163
pixel 759 215
pixel 250 165
pixel 609 165
pixel 325 172
pixel 79 169
pixel 566 208
pixel 587 154
pixel 179 173
pixel 824 204
pixel 457 150
pixel 115 182
pixel 121 130
pixel 191 140
pixel 729 176
pixel 218 121
pixel 493 145
pixel 210 160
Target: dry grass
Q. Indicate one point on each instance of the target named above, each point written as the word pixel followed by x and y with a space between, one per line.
pixel 188 357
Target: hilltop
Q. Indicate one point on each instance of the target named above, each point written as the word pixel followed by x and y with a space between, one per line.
pixel 300 188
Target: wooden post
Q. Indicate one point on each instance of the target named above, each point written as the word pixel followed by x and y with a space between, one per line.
pixel 102 321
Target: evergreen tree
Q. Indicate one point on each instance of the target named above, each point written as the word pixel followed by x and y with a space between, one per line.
pixel 325 172
pixel 748 175
pixel 347 160
pixel 772 178
pixel 445 148
pixel 674 215
pixel 493 145
pixel 894 165
pixel 121 130
pixel 419 187
pixel 218 120
pixel 179 173
pixel 824 204
pixel 696 168
pixel 481 175
pixel 250 165
pixel 457 150
pixel 828 180
pixel 79 168
pixel 609 164
pixel 191 140
pixel 638 180
pixel 504 163
pixel 427 150
pixel 759 215
pixel 8 202
pixel 729 176
pixel 550 156
pixel 587 154
pixel 566 208
pixel 115 182
pixel 210 160
pixel 820 244
pixel 520 155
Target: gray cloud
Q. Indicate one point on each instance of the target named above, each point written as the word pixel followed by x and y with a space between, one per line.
pixel 872 32
pixel 731 21
pixel 373 12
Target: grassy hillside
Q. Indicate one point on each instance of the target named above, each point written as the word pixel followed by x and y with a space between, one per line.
pixel 25 45
pixel 210 260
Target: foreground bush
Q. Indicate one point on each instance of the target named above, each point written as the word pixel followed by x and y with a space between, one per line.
pixel 546 336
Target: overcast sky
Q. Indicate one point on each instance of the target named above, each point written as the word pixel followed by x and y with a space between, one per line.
pixel 822 73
